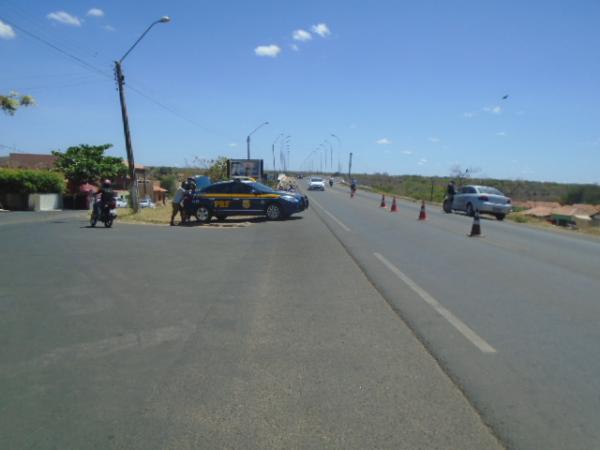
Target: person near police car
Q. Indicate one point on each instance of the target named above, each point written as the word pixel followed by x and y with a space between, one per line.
pixel 176 203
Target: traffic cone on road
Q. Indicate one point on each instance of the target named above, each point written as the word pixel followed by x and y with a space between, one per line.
pixel 422 213
pixel 394 207
pixel 476 227
pixel 382 205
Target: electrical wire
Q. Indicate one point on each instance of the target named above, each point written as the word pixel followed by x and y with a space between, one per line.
pixel 90 67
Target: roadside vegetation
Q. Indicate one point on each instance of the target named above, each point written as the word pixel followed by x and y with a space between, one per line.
pixel 434 188
pixel 24 181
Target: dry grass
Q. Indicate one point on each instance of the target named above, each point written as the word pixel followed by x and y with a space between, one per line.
pixel 159 215
pixel 542 223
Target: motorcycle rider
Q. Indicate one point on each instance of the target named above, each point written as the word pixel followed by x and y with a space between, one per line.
pixel 106 196
pixel 330 182
pixel 353 186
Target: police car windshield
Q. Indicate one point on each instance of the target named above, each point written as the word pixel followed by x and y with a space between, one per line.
pixel 262 188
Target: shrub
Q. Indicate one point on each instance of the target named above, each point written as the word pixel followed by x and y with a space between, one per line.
pixel 20 181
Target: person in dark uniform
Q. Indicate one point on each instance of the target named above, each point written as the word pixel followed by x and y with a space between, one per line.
pixel 451 190
pixel 106 195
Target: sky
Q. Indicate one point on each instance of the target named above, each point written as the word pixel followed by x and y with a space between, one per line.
pixel 409 87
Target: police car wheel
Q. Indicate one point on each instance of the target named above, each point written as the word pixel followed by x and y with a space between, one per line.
pixel 273 212
pixel 203 214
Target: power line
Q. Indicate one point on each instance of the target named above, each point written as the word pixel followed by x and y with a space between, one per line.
pixel 98 71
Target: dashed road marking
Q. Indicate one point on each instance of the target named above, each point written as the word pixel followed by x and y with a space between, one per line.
pixel 454 321
pixel 335 219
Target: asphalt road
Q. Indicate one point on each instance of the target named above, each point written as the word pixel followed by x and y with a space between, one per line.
pixel 262 336
pixel 513 316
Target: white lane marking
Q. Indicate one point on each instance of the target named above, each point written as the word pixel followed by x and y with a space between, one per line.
pixel 338 221
pixel 454 321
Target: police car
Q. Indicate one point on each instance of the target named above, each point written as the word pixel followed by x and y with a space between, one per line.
pixel 237 198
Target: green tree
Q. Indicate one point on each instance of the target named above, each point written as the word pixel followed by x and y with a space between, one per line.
pixel 168 182
pixel 217 171
pixel 13 101
pixel 87 164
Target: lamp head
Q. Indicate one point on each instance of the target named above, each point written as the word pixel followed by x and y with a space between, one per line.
pixel 164 19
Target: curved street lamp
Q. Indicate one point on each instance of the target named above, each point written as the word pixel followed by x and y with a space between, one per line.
pixel 121 82
pixel 248 138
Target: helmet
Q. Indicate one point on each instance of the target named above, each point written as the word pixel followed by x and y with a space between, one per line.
pixel 106 183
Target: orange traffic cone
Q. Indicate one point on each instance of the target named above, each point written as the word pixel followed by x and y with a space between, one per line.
pixel 394 207
pixel 382 205
pixel 476 228
pixel 422 213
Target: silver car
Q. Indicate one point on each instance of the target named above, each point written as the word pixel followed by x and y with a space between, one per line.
pixel 483 198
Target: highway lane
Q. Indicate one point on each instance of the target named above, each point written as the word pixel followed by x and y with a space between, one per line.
pixel 531 296
pixel 154 337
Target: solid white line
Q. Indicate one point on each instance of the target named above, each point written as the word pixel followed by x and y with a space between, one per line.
pixel 338 221
pixel 454 321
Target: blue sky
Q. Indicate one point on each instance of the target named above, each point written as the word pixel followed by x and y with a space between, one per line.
pixel 409 87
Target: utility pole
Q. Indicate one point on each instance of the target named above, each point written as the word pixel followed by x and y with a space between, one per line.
pixel 121 82
pixel 350 167
pixel 128 146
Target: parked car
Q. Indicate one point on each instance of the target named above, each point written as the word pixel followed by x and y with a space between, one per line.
pixel 235 198
pixel 147 203
pixel 121 203
pixel 486 199
pixel 316 184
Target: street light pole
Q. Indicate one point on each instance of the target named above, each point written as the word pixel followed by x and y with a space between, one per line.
pixel 273 150
pixel 248 138
pixel 121 86
pixel 338 151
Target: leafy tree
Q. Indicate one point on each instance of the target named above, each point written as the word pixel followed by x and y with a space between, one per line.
pixel 87 164
pixel 13 101
pixel 218 170
pixel 168 182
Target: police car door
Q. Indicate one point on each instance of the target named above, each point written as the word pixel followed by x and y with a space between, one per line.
pixel 219 196
pixel 243 198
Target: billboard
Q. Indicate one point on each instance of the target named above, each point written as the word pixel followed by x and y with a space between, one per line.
pixel 245 168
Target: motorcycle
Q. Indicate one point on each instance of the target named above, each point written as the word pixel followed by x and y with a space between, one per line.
pixel 108 214
pixel 330 183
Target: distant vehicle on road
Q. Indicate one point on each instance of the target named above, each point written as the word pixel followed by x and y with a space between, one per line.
pixel 147 203
pixel 483 198
pixel 244 179
pixel 242 198
pixel 316 184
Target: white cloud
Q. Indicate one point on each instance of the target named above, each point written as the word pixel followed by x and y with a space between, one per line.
pixel 407 152
pixel 501 133
pixel 95 12
pixel 267 50
pixel 302 35
pixel 493 109
pixel 64 17
pixel 321 29
pixel 6 31
pixel 433 139
pixel 294 47
pixel 469 115
pixel 232 144
pixel 383 141
pixel 422 161
pixel 108 28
